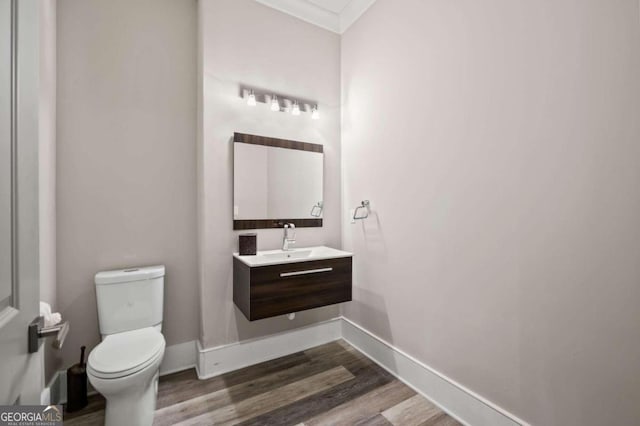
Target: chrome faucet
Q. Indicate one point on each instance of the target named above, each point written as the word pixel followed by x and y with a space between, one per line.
pixel 289 236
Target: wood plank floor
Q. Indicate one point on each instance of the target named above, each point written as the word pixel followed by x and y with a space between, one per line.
pixel 332 384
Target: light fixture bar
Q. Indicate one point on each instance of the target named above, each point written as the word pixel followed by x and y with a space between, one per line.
pixel 279 102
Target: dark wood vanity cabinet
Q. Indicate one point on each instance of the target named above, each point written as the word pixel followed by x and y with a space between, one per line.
pixel 268 291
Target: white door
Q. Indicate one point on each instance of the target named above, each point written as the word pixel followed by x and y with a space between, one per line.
pixel 20 372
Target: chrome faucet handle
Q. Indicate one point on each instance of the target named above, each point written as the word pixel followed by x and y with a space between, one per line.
pixel 288 239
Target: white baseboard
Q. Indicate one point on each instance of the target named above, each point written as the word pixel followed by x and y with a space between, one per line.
pixel 461 403
pixel 56 389
pixel 45 396
pixel 179 357
pixel 176 358
pixel 222 359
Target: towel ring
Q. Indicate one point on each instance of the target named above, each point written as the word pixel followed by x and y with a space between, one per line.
pixel 316 210
pixel 364 205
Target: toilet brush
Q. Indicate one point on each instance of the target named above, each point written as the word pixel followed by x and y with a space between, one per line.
pixel 77 385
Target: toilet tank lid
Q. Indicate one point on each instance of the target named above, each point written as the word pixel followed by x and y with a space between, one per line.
pixel 129 274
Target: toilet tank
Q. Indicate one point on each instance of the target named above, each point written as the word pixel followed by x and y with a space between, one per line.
pixel 129 299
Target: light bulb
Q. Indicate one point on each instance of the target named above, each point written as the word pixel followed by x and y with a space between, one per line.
pixel 251 99
pixel 315 115
pixel 295 110
pixel 275 106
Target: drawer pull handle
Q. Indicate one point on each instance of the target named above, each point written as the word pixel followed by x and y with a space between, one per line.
pixel 308 271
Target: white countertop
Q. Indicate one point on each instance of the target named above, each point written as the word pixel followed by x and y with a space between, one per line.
pixel 279 257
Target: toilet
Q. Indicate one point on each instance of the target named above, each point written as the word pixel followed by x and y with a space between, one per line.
pixel 124 366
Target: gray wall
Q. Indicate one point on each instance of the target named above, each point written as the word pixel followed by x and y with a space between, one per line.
pixel 47 167
pixel 126 153
pixel 47 151
pixel 499 144
pixel 243 42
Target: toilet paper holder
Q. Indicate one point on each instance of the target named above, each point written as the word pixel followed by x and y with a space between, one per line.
pixel 37 330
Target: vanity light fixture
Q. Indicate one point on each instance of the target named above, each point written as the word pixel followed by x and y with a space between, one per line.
pixel 251 99
pixel 295 110
pixel 275 105
pixel 279 102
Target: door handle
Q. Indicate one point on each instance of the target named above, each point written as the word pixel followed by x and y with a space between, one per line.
pixel 37 331
pixel 305 272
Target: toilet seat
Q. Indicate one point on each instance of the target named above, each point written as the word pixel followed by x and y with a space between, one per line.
pixel 123 354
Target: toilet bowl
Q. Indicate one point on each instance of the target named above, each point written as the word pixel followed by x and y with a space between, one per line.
pixel 124 369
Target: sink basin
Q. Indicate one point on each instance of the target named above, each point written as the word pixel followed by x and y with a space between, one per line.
pixel 289 254
pixel 276 257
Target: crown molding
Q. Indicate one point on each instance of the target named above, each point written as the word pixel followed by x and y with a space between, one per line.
pixel 352 12
pixel 316 15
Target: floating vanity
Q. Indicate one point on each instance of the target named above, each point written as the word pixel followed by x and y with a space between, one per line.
pixel 266 195
pixel 278 282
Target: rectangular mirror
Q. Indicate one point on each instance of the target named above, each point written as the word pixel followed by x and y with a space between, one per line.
pixel 276 181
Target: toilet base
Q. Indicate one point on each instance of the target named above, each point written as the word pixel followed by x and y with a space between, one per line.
pixel 134 408
pixel 130 390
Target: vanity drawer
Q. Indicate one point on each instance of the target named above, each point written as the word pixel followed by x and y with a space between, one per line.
pixel 267 291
